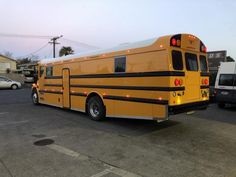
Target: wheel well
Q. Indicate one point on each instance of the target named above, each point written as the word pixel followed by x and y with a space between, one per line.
pixel 34 90
pixel 14 84
pixel 90 96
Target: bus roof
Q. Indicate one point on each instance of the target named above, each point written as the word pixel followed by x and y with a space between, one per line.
pixel 121 47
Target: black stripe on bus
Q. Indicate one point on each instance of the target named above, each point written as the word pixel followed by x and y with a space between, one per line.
pixel 137 74
pixel 78 94
pixel 53 77
pixel 117 75
pixel 50 91
pixel 139 100
pixel 205 86
pixel 130 87
pixel 204 74
pixel 53 85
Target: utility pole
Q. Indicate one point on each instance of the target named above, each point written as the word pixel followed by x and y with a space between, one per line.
pixel 54 43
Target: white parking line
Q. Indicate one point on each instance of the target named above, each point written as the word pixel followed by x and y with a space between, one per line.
pixel 105 172
pixel 1 113
pixel 109 168
pixel 14 123
pixel 68 152
pixel 117 171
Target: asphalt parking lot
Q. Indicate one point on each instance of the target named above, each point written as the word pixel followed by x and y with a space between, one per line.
pixel 201 144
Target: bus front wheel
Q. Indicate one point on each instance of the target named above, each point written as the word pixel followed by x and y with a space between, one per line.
pixel 96 109
pixel 35 98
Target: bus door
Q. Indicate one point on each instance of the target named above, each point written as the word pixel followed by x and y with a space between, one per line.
pixel 66 87
pixel 192 77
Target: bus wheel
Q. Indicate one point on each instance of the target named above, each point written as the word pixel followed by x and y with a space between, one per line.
pixel 96 108
pixel 221 105
pixel 35 98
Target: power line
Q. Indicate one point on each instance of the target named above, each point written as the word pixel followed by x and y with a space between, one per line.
pixel 24 36
pixel 54 43
pixel 32 53
pixel 80 43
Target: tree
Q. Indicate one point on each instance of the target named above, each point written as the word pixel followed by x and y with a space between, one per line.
pixel 7 54
pixel 23 61
pixel 66 51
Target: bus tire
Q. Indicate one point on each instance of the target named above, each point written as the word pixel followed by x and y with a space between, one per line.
pixel 34 97
pixel 96 109
pixel 221 105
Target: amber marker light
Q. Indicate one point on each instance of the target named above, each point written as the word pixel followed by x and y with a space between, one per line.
pixel 178 43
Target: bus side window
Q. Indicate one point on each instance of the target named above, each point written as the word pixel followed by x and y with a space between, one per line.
pixel 41 71
pixel 120 64
pixel 49 71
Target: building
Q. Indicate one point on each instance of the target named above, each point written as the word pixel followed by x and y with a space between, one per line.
pixel 215 58
pixel 7 64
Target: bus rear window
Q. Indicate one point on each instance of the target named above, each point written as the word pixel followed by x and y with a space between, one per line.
pixel 226 80
pixel 203 63
pixel 191 62
pixel 177 60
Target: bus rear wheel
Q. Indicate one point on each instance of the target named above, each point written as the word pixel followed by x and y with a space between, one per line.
pixel 96 109
pixel 35 98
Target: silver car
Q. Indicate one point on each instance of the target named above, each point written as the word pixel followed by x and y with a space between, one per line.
pixel 8 83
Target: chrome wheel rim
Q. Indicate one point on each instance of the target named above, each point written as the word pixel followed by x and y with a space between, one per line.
pixel 35 98
pixel 94 109
pixel 14 87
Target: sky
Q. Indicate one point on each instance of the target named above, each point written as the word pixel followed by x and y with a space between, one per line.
pixel 108 23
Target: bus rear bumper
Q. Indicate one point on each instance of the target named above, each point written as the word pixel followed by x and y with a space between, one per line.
pixel 187 107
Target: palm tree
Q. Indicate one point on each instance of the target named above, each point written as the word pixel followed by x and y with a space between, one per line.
pixel 66 51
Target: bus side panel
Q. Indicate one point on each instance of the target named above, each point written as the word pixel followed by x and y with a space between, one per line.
pixel 78 103
pixel 160 111
pixel 110 109
pixel 51 99
pixel 133 109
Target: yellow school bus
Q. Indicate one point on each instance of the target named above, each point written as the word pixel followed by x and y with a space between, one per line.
pixel 151 79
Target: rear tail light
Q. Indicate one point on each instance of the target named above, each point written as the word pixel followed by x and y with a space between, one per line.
pixel 178 82
pixel 205 82
pixel 176 41
pixel 203 48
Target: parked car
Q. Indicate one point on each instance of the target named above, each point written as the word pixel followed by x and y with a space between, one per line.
pixel 8 83
pixel 225 86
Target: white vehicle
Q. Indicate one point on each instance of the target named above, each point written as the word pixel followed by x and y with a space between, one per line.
pixel 8 83
pixel 226 84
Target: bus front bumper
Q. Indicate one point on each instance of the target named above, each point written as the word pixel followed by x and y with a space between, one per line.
pixel 187 107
